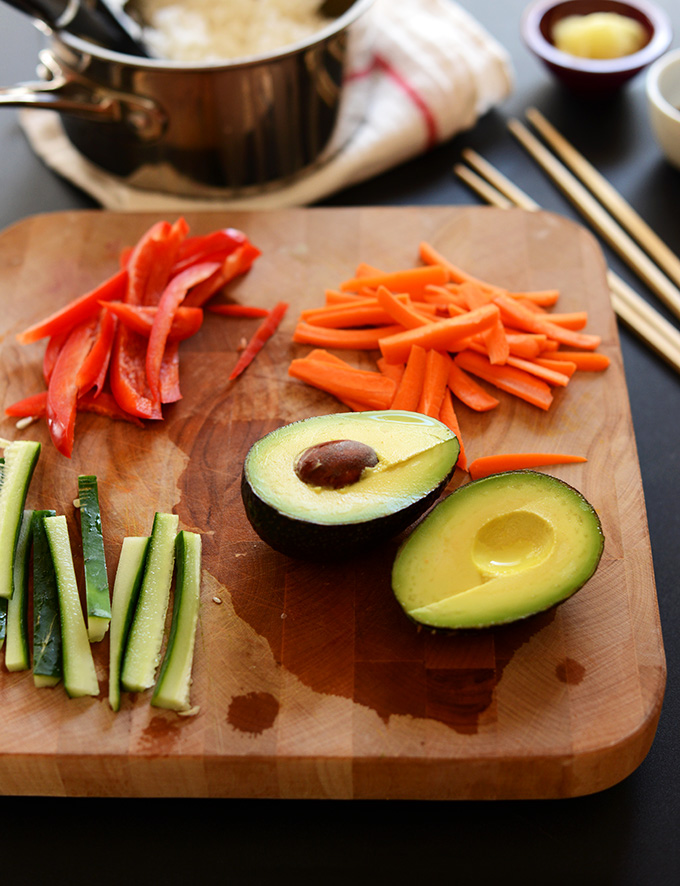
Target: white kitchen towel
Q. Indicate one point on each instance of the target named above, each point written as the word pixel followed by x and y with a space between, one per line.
pixel 435 71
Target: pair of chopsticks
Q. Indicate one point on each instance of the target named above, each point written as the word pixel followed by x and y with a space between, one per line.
pixel 655 264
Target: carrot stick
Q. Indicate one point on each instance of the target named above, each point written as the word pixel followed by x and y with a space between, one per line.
pixel 350 316
pixel 407 395
pixel 411 280
pixel 474 294
pixel 447 416
pixel 496 343
pixel 321 354
pixel 468 391
pixel 363 269
pixel 437 366
pixel 441 335
pixel 588 361
pixel 373 389
pixel 333 297
pixel 551 376
pixel 508 378
pixel 398 311
pixel 516 461
pixel 525 344
pixel 392 370
pixel 354 339
pixel 575 320
pixel 516 315
pixel 566 367
pixel 545 298
pixel 260 338
pixel 431 256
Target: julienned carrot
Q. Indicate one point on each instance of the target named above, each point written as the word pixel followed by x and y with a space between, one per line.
pixel 437 366
pixel 544 298
pixel 551 376
pixel 407 394
pixel 520 317
pixel 575 320
pixel 391 370
pixel 373 389
pixel 447 416
pixel 260 338
pixel 508 378
pixel 525 344
pixel 350 317
pixel 496 342
pixel 352 339
pixel 326 356
pixel 399 311
pixel 566 367
pixel 440 335
pixel 334 298
pixel 516 461
pixel 411 280
pixel 587 361
pixel 432 256
pixel 466 389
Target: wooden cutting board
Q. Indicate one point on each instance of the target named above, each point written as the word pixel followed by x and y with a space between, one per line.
pixel 310 681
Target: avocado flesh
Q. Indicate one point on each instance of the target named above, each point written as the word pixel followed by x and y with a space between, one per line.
pixel 415 452
pixel 416 458
pixel 498 550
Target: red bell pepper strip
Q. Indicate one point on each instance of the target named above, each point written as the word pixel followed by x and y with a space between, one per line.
pixel 262 335
pixel 139 318
pixel 92 373
pixel 33 406
pixel 169 378
pixel 151 261
pixel 54 344
pixel 127 374
pixel 82 308
pixel 238 310
pixel 62 391
pixel 235 264
pixel 170 300
pixel 215 246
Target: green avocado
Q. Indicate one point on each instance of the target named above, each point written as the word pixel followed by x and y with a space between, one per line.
pixel 498 550
pixel 330 486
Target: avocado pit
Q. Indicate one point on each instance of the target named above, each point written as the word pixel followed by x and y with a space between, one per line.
pixel 335 463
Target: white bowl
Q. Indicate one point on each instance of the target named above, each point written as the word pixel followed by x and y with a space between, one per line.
pixel 663 101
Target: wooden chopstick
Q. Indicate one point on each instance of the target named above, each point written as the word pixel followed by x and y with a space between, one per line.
pixel 598 216
pixel 660 335
pixel 608 196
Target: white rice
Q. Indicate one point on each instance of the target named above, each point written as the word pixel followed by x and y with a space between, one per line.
pixel 218 30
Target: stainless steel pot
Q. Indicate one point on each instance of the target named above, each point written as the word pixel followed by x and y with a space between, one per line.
pixel 208 130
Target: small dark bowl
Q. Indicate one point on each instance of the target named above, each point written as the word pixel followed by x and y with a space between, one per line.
pixel 594 78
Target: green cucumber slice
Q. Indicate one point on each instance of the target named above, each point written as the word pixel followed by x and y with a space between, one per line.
pixel 174 681
pixel 145 640
pixel 126 587
pixel 80 677
pixel 17 654
pixel 21 457
pixel 47 669
pixel 98 601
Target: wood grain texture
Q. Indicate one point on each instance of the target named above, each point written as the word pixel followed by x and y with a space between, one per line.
pixel 310 680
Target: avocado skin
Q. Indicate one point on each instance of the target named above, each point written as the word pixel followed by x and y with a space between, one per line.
pixel 303 540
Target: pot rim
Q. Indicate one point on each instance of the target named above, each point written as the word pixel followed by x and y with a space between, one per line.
pixel 335 26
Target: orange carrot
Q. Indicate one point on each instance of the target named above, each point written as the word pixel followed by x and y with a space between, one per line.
pixel 373 389
pixel 441 335
pixel 437 366
pixel 468 391
pixel 399 311
pixel 350 317
pixel 525 344
pixel 572 320
pixel 588 361
pixel 411 280
pixel 363 269
pixel 544 298
pixel 447 416
pixel 566 367
pixel 334 297
pixel 407 395
pixel 516 315
pixel 354 339
pixel 496 343
pixel 392 370
pixel 431 256
pixel 551 376
pixel 516 461
pixel 321 354
pixel 508 378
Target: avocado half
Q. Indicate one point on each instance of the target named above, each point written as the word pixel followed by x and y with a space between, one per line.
pixel 331 486
pixel 498 550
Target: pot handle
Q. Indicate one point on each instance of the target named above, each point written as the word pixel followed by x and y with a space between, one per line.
pixel 69 93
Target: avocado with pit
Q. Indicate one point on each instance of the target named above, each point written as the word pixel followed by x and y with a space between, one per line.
pixel 332 486
pixel 498 550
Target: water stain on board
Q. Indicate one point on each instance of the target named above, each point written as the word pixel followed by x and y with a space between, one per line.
pixel 161 734
pixel 570 672
pixel 253 713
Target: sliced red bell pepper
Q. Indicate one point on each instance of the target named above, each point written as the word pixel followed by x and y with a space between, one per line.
pixel 127 374
pixel 62 391
pixel 169 380
pixel 170 300
pixel 92 373
pixel 235 264
pixel 54 344
pixel 33 406
pixel 105 404
pixel 215 246
pixel 82 308
pixel 151 261
pixel 139 318
pixel 262 335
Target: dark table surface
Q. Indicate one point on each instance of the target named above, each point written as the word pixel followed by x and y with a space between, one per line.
pixel 625 835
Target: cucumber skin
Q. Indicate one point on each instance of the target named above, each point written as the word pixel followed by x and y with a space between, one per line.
pixel 145 639
pixel 125 595
pixel 10 512
pixel 80 676
pixel 17 654
pixel 94 559
pixel 47 667
pixel 174 682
